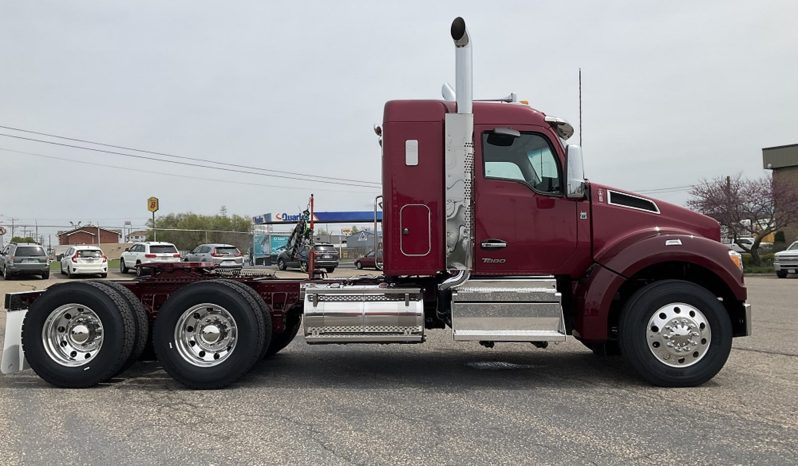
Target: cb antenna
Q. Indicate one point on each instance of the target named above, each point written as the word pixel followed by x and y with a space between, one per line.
pixel 580 107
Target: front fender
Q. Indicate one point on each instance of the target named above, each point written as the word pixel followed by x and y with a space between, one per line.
pixel 623 260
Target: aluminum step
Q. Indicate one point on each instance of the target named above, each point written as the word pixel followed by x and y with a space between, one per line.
pixel 525 309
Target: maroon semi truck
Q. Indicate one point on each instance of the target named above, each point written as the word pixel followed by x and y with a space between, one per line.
pixel 490 229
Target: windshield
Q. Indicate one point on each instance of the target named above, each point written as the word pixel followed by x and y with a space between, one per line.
pixel 163 249
pixel 793 246
pixel 29 251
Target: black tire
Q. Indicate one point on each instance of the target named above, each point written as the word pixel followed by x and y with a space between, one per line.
pixel 119 331
pixel 46 275
pixel 330 269
pixel 265 308
pixel 281 264
pixel 292 325
pixel 781 273
pixel 140 318
pixel 62 270
pixel 250 326
pixel 122 268
pixel 303 266
pixel 377 266
pixel 103 275
pixel 358 265
pixel 670 294
pixel 68 273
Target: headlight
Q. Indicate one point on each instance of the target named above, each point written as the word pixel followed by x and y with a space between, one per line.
pixel 737 259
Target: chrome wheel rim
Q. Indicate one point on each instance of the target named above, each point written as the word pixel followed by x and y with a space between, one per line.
pixel 72 335
pixel 206 335
pixel 678 335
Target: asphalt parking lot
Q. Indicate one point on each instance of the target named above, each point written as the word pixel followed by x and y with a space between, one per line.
pixel 437 403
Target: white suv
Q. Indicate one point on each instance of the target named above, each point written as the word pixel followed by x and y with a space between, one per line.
pixel 84 260
pixel 149 252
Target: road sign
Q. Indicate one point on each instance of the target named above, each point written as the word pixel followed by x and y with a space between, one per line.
pixel 2 231
pixel 152 204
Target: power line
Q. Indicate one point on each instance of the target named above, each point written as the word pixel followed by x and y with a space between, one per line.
pixel 214 180
pixel 183 157
pixel 144 157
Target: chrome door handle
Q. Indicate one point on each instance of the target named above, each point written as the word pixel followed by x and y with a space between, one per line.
pixel 493 244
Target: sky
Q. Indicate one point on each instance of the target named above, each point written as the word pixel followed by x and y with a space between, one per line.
pixel 672 92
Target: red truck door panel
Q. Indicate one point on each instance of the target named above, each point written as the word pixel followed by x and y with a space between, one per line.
pixel 524 223
pixel 415 238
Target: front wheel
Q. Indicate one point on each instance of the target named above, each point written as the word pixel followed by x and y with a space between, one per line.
pixel 675 333
pixel 781 273
pixel 303 266
pixel 281 264
pixel 122 267
pixel 358 265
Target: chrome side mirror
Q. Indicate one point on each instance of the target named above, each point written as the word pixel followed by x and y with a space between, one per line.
pixel 575 172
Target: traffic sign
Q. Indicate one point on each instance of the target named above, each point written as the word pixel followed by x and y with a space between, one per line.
pixel 152 204
pixel 2 230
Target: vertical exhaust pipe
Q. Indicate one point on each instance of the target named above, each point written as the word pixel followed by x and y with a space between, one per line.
pixel 464 79
pixel 459 164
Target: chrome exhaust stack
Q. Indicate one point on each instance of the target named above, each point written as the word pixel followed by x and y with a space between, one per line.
pixel 464 79
pixel 459 163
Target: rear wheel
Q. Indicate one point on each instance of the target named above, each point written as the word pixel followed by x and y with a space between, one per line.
pixel 675 333
pixel 69 272
pixel 62 270
pixel 140 318
pixel 781 273
pixel 209 334
pixel 265 308
pixel 46 275
pixel 281 264
pixel 303 266
pixel 358 265
pixel 330 269
pixel 78 334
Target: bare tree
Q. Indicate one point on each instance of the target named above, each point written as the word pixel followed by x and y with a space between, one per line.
pixel 746 208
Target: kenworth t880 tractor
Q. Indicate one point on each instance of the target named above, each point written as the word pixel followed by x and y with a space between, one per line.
pixel 490 230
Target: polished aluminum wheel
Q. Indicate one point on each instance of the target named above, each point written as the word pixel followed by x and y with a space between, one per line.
pixel 72 335
pixel 206 335
pixel 678 335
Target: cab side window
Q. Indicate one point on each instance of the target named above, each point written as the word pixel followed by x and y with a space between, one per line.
pixel 527 158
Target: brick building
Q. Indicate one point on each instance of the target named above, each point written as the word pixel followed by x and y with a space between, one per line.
pixel 783 160
pixel 87 235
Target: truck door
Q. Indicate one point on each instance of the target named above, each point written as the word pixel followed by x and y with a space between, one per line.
pixel 524 224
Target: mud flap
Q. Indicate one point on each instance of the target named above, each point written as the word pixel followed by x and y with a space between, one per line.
pixel 13 354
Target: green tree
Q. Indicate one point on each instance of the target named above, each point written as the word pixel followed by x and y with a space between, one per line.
pixel 187 230
pixel 22 239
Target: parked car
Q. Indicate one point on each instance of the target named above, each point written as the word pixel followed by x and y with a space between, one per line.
pixel 786 261
pixel 370 260
pixel 84 260
pixel 748 242
pixel 326 258
pixel 147 253
pixel 222 255
pixel 19 259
